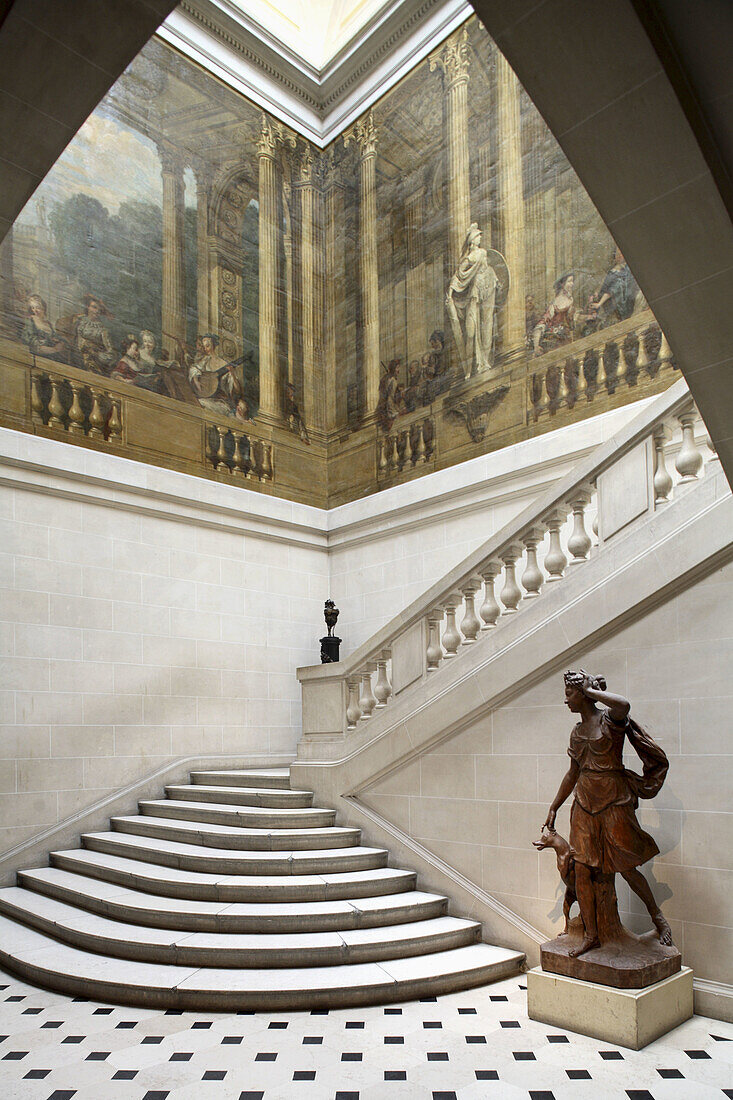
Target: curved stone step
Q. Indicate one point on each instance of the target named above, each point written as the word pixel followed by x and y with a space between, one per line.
pixel 214 814
pixel 99 934
pixel 115 899
pixel 235 795
pixel 206 834
pixel 167 881
pixel 272 778
pixel 150 844
pixel 37 958
pixel 259 817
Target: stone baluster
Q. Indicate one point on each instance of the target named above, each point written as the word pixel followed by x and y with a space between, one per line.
pixel 714 457
pixel 555 560
pixel 55 406
pixel 251 473
pixel 382 463
pixel 222 466
pixel 603 377
pixel 382 688
pixel 532 577
pixel 36 399
pixel 582 382
pixel 510 594
pixel 490 610
pixel 420 449
pixel 451 637
pixel 689 458
pixel 662 477
pixel 76 415
pixel 665 352
pixel 353 710
pixel 434 652
pixel 114 423
pixel 470 625
pixel 96 417
pixel 580 542
pixel 367 700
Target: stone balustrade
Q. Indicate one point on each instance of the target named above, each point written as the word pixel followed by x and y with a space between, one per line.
pixel 61 401
pixel 409 444
pixel 237 453
pixel 597 365
pixel 623 481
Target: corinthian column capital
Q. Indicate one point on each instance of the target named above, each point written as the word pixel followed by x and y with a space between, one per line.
pixel 273 136
pixel 364 134
pixel 453 58
pixel 171 161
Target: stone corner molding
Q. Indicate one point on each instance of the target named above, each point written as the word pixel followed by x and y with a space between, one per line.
pixel 319 104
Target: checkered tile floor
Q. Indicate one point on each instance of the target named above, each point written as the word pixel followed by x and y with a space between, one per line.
pixel 466 1046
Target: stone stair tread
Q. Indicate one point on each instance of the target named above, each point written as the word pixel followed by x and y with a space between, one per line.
pixel 276 778
pixel 278 857
pixel 115 898
pixel 258 816
pixel 189 815
pixel 122 939
pixel 324 885
pixel 234 788
pixel 39 958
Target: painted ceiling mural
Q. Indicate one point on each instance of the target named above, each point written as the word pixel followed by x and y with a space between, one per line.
pixel 433 285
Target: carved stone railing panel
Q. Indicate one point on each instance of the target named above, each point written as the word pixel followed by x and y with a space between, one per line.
pixel 63 403
pixel 237 453
pixel 548 542
pixel 408 445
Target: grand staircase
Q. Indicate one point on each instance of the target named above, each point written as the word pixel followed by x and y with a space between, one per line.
pixel 234 892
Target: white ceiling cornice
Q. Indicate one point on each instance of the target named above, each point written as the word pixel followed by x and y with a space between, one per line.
pixel 319 104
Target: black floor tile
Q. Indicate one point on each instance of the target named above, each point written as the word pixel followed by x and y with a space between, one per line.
pixel 214 1075
pixel 472 1011
pixel 487 1075
pixel 127 1024
pixel 444 1096
pixel 15 1056
pixel 356 1024
pixel 351 1056
pixel 66 1094
pixel 438 1056
pixel 278 1025
pixel 304 1075
pixel 541 1094
pixel 393 1012
pixel 103 1012
pixel 557 1039
pixel 156 1095
pixel 125 1075
pixel 74 1039
pixel 181 1056
pixel 98 1056
pixel 639 1094
pixel 312 1040
pixel 152 1040
pixel 15 998
pixel 251 1095
pixel 431 1023
pixel 53 1023
pixel 670 1074
pixel 510 1023
pixel 266 1056
pixel 200 1025
pixel 319 1012
pixel 695 1054
pixel 232 1040
pixel 395 1075
pixel 578 1074
pixel 173 1012
pixel 36 1074
pixel 475 1038
pixel 721 1039
pixel 523 1056
pixel 393 1040
pixel 496 997
pixel 343 1096
pixel 611 1055
pixel 32 1011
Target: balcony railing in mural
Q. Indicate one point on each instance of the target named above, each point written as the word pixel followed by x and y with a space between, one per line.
pixel 237 453
pixel 545 543
pixel 66 401
pixel 409 444
pixel 597 365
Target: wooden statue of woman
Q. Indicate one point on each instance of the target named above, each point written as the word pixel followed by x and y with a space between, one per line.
pixel 605 836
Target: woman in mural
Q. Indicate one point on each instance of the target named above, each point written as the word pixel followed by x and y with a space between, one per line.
pixel 471 301
pixel 213 380
pixel 93 343
pixel 619 295
pixel 558 320
pixel 40 335
pixel 128 367
pixel 148 376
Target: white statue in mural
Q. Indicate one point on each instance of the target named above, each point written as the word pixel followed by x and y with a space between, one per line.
pixel 479 285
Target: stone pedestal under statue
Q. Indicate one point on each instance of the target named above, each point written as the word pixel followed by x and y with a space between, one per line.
pixel 621 1017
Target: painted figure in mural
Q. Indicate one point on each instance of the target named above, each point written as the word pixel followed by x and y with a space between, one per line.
pixel 93 343
pixel 213 380
pixel 148 375
pixel 558 320
pixel 471 301
pixel 414 390
pixel 293 415
pixel 619 295
pixel 532 318
pixel 391 401
pixel 40 335
pixel 605 836
pixel 129 365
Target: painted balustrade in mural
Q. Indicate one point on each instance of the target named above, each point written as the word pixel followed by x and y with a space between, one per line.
pixel 408 445
pixel 532 555
pixel 66 401
pixel 237 453
pixel 594 367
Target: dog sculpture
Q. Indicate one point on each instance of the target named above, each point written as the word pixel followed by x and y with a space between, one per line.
pixel 565 867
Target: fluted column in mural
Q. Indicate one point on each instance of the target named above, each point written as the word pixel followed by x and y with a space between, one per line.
pixel 334 351
pixel 305 183
pixel 453 59
pixel 364 134
pixel 174 260
pixel 268 220
pixel 203 174
pixel 511 200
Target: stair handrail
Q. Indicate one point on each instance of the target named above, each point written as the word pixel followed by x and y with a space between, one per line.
pixel 516 540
